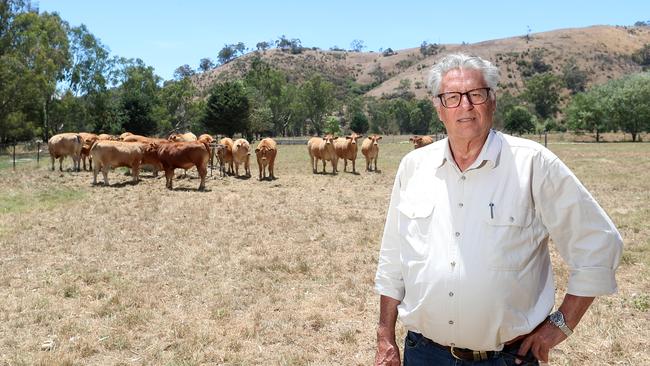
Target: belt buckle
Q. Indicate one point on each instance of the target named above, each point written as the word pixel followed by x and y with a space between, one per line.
pixel 453 354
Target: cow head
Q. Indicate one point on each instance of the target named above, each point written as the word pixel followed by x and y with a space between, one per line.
pixel 329 139
pixel 375 139
pixel 174 137
pixel 353 138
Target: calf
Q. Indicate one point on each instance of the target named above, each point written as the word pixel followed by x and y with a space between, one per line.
pixel 370 149
pixel 347 150
pixel 241 154
pixel 266 151
pixel 125 134
pixel 65 144
pixel 419 141
pixel 113 154
pixel 227 156
pixel 322 149
pixel 220 151
pixel 183 155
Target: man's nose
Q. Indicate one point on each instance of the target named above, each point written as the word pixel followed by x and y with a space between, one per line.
pixel 464 101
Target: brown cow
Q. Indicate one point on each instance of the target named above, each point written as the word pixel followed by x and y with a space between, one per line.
pixel 323 149
pixel 241 153
pixel 205 138
pixel 113 154
pixel 89 140
pixel 220 151
pixel 106 137
pixel 65 144
pixel 370 149
pixel 183 155
pixel 347 150
pixel 227 157
pixel 266 151
pixel 419 141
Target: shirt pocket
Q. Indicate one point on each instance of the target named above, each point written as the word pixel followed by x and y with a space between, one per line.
pixel 414 225
pixel 509 238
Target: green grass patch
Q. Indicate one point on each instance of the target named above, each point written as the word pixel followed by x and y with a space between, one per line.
pixel 21 201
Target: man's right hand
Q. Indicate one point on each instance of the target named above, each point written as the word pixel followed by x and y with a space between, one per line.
pixel 387 352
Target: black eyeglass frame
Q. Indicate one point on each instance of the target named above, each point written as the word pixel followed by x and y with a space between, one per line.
pixel 469 99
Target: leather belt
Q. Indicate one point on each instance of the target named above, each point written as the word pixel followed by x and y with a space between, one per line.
pixel 465 354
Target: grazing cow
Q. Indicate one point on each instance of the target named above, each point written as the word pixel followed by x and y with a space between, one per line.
pixel 114 154
pixel 419 141
pixel 183 155
pixel 241 154
pixel 220 151
pixel 65 144
pixel 227 157
pixel 125 134
pixel 347 150
pixel 266 151
pixel 323 149
pixel 370 149
pixel 180 137
pixel 209 140
pixel 89 140
pixel 155 164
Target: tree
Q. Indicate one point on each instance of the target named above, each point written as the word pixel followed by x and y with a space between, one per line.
pixel 357 45
pixel 183 72
pixel 206 64
pixel 505 102
pixel 422 116
pixel 359 123
pixel 139 98
pixel 228 109
pixel 642 56
pixel 381 120
pixel 427 49
pixel 318 98
pixel 628 103
pixel 519 120
pixel 263 46
pixel 332 126
pixel 586 112
pixel 401 112
pixel 379 74
pixel 574 78
pixel 226 54
pixel 543 91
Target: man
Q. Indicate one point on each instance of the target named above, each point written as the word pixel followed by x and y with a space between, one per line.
pixel 464 259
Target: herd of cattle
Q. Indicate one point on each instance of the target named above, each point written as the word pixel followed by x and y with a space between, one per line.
pixel 184 151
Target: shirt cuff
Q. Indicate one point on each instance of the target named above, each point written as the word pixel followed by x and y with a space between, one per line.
pixel 394 293
pixel 592 281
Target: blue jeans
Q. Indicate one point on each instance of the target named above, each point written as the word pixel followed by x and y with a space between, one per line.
pixel 418 351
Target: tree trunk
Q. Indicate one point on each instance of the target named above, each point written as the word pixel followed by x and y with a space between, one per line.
pixel 46 127
pixel 597 135
pixel 633 136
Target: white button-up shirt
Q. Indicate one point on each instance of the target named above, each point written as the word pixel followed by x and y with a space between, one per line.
pixel 467 253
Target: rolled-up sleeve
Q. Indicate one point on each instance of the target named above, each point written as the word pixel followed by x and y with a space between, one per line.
pixel 389 280
pixel 584 235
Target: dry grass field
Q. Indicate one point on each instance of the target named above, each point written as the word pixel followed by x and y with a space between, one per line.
pixel 255 273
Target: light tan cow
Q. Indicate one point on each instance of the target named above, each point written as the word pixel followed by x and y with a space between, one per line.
pixel 180 137
pixel 419 141
pixel 227 156
pixel 156 166
pixel 370 149
pixel 89 140
pixel 241 153
pixel 208 139
pixel 322 149
pixel 106 137
pixel 266 151
pixel 347 150
pixel 65 144
pixel 125 134
pixel 220 151
pixel 114 154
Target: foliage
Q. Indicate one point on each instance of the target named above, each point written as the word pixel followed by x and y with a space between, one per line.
pixel 359 122
pixel 388 52
pixel 574 78
pixel 332 126
pixel 230 51
pixel 182 72
pixel 228 109
pixel 317 95
pixel 430 49
pixel 263 46
pixel 357 45
pixel 642 56
pixel 206 64
pixel 505 102
pixel 519 120
pixel 543 91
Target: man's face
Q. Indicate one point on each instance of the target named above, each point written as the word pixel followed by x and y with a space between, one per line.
pixel 467 121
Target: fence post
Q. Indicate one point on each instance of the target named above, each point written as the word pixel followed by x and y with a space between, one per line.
pixel 14 156
pixel 38 152
pixel 545 138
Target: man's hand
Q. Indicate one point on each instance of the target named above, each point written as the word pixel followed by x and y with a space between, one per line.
pixel 387 351
pixel 540 341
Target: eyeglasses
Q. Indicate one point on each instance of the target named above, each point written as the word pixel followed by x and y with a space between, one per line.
pixel 474 96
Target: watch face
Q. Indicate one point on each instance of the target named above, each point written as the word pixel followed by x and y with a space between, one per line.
pixel 557 318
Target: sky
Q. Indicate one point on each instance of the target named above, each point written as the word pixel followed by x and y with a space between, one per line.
pixel 166 34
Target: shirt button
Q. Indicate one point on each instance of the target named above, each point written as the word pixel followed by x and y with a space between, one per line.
pixel 512 219
pixel 451 322
pixel 462 177
pixel 460 204
pixel 457 234
pixel 451 294
pixel 453 263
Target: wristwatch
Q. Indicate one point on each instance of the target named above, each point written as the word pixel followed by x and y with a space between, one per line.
pixel 557 318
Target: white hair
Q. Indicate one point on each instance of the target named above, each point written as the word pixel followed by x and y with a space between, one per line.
pixel 462 61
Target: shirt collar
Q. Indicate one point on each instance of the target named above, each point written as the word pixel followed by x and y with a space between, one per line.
pixel 489 153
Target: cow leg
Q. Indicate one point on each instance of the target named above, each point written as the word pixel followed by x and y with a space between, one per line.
pixel 313 166
pixel 84 161
pixel 52 158
pixel 335 166
pixel 95 171
pixel 90 163
pixel 367 164
pixel 61 164
pixel 169 175
pixel 354 161
pixel 135 171
pixel 345 165
pixel 203 172
pixel 271 173
pixel 324 161
pixel 105 174
pixel 247 165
